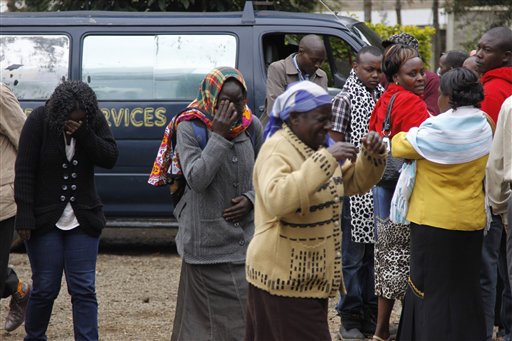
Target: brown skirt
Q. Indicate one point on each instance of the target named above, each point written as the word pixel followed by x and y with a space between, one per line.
pixel 271 317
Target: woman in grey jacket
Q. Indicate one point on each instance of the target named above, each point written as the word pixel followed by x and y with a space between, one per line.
pixel 215 214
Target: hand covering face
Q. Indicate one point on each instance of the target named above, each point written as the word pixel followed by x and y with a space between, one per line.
pixel 202 108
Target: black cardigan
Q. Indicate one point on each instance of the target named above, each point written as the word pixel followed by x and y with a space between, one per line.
pixel 45 181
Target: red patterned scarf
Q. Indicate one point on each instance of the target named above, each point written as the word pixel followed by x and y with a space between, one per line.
pixel 167 164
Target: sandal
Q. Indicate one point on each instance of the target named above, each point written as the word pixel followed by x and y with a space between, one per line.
pixel 378 338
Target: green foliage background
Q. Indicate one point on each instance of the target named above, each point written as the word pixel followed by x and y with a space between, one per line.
pixel 503 17
pixel 155 5
pixel 423 34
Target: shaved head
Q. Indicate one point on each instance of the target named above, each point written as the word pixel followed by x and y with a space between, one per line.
pixel 494 49
pixel 503 37
pixel 311 53
pixel 312 42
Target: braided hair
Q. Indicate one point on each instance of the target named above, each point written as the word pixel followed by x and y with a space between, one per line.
pixel 462 87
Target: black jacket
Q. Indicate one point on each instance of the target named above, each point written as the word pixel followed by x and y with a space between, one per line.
pixel 45 181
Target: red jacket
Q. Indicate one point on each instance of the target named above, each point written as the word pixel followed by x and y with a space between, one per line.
pixel 497 88
pixel 431 93
pixel 409 110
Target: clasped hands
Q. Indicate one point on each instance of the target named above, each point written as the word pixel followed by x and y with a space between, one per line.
pixel 346 150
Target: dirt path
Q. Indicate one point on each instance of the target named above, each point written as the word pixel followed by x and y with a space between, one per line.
pixel 136 290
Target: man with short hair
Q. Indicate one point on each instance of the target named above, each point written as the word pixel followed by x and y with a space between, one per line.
pixel 451 60
pixel 12 119
pixel 470 64
pixel 352 108
pixel 303 65
pixel 494 62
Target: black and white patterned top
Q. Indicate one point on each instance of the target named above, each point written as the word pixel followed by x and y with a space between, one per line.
pixel 352 109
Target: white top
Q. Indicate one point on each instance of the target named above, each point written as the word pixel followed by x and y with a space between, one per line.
pixel 67 220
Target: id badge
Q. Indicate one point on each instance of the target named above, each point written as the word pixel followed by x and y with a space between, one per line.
pixel 386 141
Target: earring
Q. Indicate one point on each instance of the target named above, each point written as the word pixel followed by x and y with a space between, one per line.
pixel 396 82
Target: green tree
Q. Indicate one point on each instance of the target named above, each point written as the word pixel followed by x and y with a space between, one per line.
pixel 475 17
pixel 503 17
pixel 155 5
pixel 424 36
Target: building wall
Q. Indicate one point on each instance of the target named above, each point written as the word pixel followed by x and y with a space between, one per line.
pixel 467 29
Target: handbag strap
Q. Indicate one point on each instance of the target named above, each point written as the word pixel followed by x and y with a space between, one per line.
pixel 491 123
pixel 386 126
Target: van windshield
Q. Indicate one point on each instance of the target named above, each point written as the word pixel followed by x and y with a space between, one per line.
pixel 153 67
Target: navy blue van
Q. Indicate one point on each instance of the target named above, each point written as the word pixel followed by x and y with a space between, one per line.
pixel 145 67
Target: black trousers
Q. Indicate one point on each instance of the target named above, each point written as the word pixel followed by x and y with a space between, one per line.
pixel 8 278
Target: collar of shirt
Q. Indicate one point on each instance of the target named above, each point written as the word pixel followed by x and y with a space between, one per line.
pixel 302 76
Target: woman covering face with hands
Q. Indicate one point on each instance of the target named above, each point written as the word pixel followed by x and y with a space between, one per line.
pixel 60 215
pixel 293 261
pixel 215 214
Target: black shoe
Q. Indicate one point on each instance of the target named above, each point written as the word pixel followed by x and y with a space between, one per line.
pixel 353 334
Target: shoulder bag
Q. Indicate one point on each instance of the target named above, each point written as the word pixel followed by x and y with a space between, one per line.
pixel 393 165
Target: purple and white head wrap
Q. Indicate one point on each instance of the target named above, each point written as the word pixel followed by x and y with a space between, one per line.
pixel 300 96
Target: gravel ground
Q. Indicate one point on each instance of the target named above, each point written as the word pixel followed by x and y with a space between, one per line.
pixel 137 283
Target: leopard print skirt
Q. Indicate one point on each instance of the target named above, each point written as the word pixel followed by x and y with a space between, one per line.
pixel 392 249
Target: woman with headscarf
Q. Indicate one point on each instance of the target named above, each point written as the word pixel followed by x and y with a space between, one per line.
pixel 215 214
pixel 406 76
pixel 447 212
pixel 294 260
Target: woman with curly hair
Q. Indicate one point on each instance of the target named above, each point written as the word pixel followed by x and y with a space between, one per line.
pixel 447 212
pixel 60 215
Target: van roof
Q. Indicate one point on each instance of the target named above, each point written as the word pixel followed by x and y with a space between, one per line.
pixel 111 18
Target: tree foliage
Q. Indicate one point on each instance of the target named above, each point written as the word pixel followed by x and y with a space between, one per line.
pixel 475 17
pixel 461 7
pixel 155 5
pixel 424 36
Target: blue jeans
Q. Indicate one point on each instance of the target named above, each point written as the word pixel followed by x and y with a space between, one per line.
pixel 359 306
pixel 491 249
pixel 75 253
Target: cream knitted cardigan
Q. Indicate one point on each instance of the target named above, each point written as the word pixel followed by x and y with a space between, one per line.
pixel 296 248
pixel 499 165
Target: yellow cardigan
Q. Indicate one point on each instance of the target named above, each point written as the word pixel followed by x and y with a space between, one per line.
pixel 445 196
pixel 295 250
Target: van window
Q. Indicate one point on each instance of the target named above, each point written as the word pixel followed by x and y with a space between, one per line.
pixel 339 55
pixel 33 65
pixel 153 67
